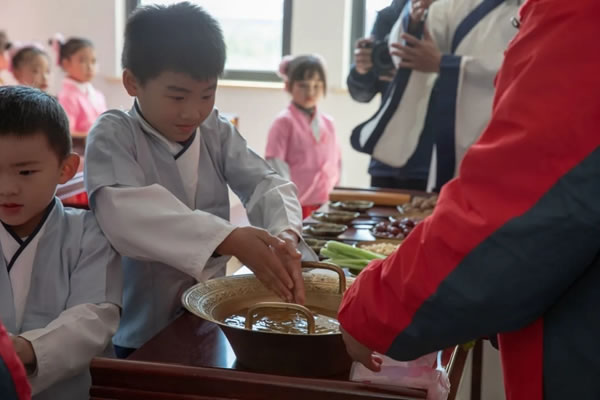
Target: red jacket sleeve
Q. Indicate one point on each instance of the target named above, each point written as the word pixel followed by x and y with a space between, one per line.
pixel 513 230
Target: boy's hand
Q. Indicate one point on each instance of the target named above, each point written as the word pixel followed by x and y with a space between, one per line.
pixel 24 350
pixel 257 249
pixel 291 259
pixel 361 353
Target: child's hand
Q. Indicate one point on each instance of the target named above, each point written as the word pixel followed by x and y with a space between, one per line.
pixel 291 259
pixel 24 350
pixel 257 249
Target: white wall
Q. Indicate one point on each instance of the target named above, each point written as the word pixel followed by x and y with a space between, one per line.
pixel 318 26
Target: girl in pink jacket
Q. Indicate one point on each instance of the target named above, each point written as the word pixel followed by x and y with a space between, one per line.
pixel 302 145
pixel 82 102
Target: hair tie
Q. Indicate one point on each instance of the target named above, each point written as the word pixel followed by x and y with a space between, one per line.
pixel 283 66
pixel 56 42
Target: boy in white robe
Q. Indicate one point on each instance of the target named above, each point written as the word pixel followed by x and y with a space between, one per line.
pixel 158 176
pixel 60 280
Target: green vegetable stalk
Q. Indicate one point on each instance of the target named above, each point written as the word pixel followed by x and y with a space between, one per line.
pixel 341 250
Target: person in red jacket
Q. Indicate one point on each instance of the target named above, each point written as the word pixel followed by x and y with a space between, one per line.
pixel 513 246
pixel 13 381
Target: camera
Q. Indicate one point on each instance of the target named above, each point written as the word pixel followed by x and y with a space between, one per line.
pixel 381 58
pixel 380 53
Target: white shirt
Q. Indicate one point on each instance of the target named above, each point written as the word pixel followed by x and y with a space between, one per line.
pixel 20 273
pixel 187 162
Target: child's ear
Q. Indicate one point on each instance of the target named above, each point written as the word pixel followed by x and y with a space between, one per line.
pixel 130 82
pixel 288 86
pixel 69 168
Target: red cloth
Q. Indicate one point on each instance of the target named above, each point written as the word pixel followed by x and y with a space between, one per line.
pixel 14 365
pixel 308 210
pixel 78 201
pixel 545 122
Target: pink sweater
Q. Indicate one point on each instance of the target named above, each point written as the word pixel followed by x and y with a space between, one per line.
pixel 315 166
pixel 82 103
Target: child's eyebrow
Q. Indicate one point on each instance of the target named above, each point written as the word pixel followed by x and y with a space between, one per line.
pixel 178 89
pixel 210 88
pixel 25 163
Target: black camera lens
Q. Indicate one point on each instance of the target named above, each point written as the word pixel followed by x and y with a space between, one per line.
pixel 381 58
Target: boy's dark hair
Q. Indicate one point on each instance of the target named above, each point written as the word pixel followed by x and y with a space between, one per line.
pixel 305 66
pixel 72 46
pixel 180 38
pixel 27 111
pixel 24 55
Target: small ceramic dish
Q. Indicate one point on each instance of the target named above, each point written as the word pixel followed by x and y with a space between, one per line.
pixel 326 229
pixel 353 205
pixel 315 244
pixel 341 217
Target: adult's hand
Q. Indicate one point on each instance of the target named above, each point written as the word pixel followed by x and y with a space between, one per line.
pixel 420 55
pixel 362 55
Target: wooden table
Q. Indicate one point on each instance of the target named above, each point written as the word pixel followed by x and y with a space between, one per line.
pixel 192 359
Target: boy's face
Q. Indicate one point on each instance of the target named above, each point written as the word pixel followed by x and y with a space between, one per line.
pixel 29 173
pixel 174 103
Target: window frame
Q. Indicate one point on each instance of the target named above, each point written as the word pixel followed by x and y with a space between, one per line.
pixel 357 26
pixel 250 75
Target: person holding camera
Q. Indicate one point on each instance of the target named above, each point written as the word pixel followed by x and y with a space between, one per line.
pixel 445 56
pixel 366 80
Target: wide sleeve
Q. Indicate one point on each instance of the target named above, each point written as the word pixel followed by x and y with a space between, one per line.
pixel 135 220
pixel 66 346
pixel 519 224
pixel 363 87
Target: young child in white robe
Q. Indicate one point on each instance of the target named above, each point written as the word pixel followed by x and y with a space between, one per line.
pixel 60 280
pixel 158 177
